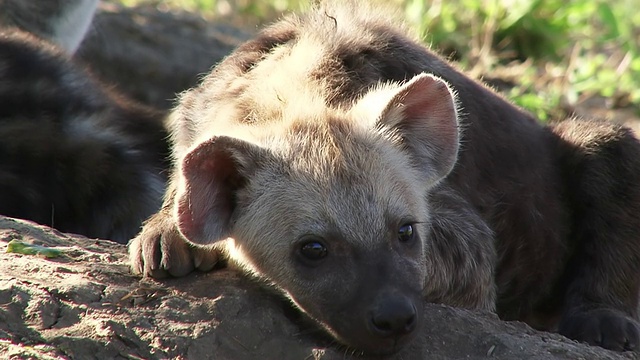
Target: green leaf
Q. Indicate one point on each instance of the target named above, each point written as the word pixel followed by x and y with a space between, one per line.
pixel 610 20
pixel 517 10
pixel 19 247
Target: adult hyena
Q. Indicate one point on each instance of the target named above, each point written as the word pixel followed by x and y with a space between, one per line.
pixel 358 172
pixel 74 154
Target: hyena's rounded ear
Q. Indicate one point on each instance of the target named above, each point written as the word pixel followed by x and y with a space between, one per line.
pixel 423 112
pixel 211 175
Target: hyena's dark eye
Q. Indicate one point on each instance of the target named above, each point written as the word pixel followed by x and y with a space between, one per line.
pixel 406 233
pixel 313 250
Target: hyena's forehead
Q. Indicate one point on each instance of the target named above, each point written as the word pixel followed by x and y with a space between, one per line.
pixel 341 180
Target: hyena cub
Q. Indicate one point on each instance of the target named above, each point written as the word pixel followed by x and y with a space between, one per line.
pixel 359 173
pixel 74 154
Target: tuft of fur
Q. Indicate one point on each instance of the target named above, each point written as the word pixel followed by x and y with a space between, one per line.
pixel 335 127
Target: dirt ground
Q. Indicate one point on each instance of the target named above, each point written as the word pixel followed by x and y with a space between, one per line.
pixel 86 305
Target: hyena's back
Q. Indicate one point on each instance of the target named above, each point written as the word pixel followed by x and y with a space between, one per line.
pixel 73 155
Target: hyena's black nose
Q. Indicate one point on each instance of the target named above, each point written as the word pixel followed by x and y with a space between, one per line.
pixel 393 317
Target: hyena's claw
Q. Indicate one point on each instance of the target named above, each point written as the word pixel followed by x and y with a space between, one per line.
pixel 135 257
pixel 177 258
pixel 610 329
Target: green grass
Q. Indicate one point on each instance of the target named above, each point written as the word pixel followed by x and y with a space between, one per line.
pixel 576 49
pixel 554 54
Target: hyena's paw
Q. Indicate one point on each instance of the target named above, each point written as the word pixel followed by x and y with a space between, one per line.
pixel 608 328
pixel 160 250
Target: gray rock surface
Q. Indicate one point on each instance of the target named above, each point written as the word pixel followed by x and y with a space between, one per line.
pixel 86 305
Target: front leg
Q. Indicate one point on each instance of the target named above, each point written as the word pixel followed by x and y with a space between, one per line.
pixel 160 250
pixel 460 255
pixel 609 328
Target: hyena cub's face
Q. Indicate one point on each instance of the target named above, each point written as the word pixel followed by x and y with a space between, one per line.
pixel 330 207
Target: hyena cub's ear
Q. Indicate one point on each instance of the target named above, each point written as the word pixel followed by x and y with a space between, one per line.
pixel 212 174
pixel 422 112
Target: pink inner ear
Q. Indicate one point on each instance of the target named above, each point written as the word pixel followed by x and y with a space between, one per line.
pixel 205 204
pixel 428 123
pixel 430 97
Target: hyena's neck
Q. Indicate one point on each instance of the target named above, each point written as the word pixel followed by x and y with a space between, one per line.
pixel 64 22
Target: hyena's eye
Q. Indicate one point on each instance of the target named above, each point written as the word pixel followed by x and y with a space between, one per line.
pixel 312 250
pixel 406 233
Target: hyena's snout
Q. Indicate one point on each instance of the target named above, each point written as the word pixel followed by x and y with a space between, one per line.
pixel 391 321
pixel 393 317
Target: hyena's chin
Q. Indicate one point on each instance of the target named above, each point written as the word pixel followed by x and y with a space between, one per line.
pixel 371 343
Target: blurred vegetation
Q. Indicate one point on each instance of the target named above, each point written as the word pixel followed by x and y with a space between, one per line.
pixel 545 55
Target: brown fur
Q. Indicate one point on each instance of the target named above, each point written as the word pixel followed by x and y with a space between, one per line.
pixel 307 129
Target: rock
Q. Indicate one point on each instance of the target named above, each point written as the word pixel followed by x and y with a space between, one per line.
pixel 86 305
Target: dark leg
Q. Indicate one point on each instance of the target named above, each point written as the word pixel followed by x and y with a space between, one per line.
pixel 601 162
